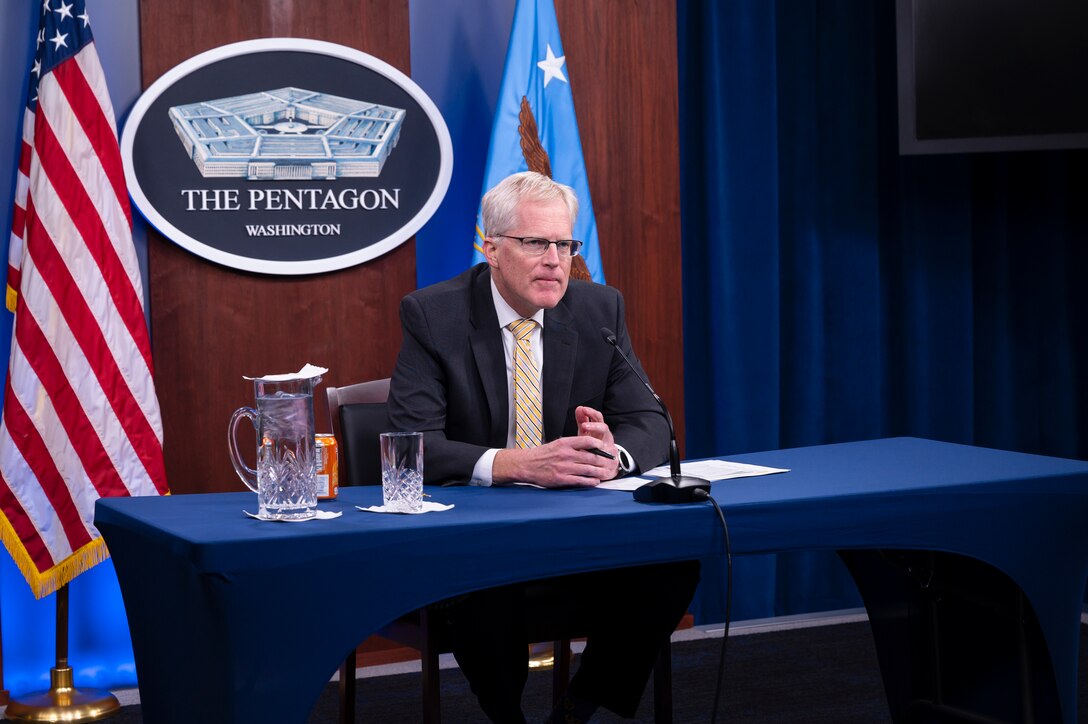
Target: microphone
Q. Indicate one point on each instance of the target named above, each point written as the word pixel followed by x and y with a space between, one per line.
pixel 676 488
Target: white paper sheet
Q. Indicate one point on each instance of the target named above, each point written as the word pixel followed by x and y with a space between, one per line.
pixel 318 515
pixel 711 470
pixel 428 507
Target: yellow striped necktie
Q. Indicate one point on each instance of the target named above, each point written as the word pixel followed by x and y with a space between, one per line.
pixel 528 430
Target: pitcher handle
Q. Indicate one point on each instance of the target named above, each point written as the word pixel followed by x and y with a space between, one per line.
pixel 246 473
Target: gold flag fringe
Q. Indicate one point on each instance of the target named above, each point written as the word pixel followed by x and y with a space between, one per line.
pixel 12 298
pixel 43 583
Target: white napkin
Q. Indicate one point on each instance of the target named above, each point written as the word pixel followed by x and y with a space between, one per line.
pixel 318 515
pixel 308 370
pixel 428 507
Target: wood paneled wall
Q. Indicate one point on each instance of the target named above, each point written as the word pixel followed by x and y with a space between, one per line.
pixel 211 325
pixel 622 64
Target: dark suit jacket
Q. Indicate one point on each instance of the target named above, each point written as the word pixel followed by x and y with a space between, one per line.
pixel 450 380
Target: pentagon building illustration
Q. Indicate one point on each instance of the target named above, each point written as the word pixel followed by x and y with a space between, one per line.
pixel 287 134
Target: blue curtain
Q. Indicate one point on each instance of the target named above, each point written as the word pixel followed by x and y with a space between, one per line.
pixel 834 290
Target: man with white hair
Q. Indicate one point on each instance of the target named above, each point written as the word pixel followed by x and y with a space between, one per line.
pixel 505 372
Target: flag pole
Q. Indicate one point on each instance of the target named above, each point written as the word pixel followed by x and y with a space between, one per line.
pixel 80 417
pixel 62 702
pixel 4 694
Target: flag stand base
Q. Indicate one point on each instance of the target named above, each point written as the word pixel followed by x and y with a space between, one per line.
pixel 62 702
pixel 541 656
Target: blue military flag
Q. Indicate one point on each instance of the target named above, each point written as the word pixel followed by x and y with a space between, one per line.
pixel 535 127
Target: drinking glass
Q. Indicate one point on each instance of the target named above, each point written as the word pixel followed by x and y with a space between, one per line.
pixel 402 471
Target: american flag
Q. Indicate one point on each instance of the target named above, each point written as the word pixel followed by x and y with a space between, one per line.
pixel 80 417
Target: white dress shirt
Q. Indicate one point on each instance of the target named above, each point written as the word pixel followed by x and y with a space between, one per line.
pixel 481 472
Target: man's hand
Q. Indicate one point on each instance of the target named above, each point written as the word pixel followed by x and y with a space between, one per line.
pixel 591 423
pixel 561 463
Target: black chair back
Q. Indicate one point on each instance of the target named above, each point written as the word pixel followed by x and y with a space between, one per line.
pixel 360 453
pixel 359 415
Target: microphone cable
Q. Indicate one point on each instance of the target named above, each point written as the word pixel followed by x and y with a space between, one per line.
pixel 703 495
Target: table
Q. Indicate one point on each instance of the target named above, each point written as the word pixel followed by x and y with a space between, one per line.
pixel 245 620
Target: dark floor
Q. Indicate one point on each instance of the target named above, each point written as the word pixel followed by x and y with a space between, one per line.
pixel 821 675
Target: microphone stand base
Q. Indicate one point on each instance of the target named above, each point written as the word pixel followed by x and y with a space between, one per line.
pixel 676 489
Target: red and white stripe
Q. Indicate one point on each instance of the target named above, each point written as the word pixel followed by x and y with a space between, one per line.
pixel 18 219
pixel 80 416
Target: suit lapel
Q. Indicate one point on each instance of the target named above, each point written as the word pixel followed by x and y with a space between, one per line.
pixel 486 341
pixel 560 350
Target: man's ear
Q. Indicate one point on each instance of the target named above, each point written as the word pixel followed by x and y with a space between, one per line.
pixel 491 252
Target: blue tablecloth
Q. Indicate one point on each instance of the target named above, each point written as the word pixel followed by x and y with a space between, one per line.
pixel 246 620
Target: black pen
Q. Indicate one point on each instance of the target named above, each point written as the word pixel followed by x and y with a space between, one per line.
pixel 601 453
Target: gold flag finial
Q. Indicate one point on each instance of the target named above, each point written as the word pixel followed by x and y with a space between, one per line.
pixel 536 157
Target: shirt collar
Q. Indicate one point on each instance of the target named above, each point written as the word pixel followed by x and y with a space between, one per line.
pixel 506 313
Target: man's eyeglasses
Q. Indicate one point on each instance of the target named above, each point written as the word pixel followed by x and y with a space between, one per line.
pixel 535 246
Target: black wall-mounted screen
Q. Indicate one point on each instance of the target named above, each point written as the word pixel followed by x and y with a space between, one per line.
pixel 992 75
